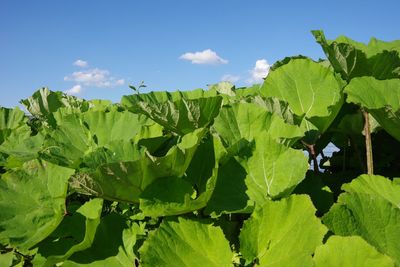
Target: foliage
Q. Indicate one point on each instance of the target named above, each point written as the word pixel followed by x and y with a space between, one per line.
pixel 216 177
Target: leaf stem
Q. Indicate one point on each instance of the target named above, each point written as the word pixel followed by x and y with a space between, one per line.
pixel 313 155
pixel 368 143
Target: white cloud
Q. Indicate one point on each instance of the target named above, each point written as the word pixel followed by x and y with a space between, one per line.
pixel 95 78
pixel 259 72
pixel 120 82
pixel 204 57
pixel 74 90
pixel 230 78
pixel 81 63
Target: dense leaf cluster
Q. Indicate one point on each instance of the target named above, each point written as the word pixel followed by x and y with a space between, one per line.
pixel 217 177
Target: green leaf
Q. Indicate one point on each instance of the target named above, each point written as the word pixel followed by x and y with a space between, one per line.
pixel 268 173
pixel 125 180
pixel 375 185
pixel 381 98
pixel 282 233
pixel 69 237
pixel 10 119
pixel 44 102
pixel 350 251
pixel 248 120
pixel 108 247
pixel 369 208
pixel 6 259
pixel 311 90
pixel 180 115
pixel 229 195
pixel 110 126
pixel 70 141
pixel 186 243
pixel 21 145
pixel 32 202
pixel 224 88
pixel 170 196
pixel 321 195
pixel 178 195
pixel 354 59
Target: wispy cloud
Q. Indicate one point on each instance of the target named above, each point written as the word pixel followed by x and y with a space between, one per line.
pixel 259 72
pixel 230 78
pixel 81 63
pixel 207 56
pixel 74 90
pixel 95 78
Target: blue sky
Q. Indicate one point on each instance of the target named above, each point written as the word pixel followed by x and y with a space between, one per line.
pixel 97 48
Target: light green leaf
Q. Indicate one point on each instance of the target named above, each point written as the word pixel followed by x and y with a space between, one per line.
pixel 248 120
pixel 21 145
pixel 282 233
pixel 114 125
pixel 224 88
pixel 174 112
pixel 186 243
pixel 171 196
pixel 375 185
pixel 381 98
pixel 125 180
pixel 44 102
pixel 178 195
pixel 69 237
pixel 268 172
pixel 11 118
pixel 68 144
pixel 351 251
pixel 354 59
pixel 374 46
pixel 32 202
pixel 369 208
pixel 310 89
pixel 6 259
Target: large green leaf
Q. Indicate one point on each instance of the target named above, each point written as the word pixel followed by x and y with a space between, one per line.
pixel 109 126
pixel 354 59
pixel 282 233
pixel 374 46
pixel 32 202
pixel 248 120
pixel 229 195
pixel 178 195
pixel 176 113
pixel 184 242
pixel 6 259
pixel 320 194
pixel 44 102
pixel 79 137
pixel 312 91
pixel 273 170
pixel 381 98
pixel 75 233
pixel 10 119
pixel 369 208
pixel 21 146
pixel 69 142
pixel 173 196
pixel 350 251
pixel 110 246
pixel 125 180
